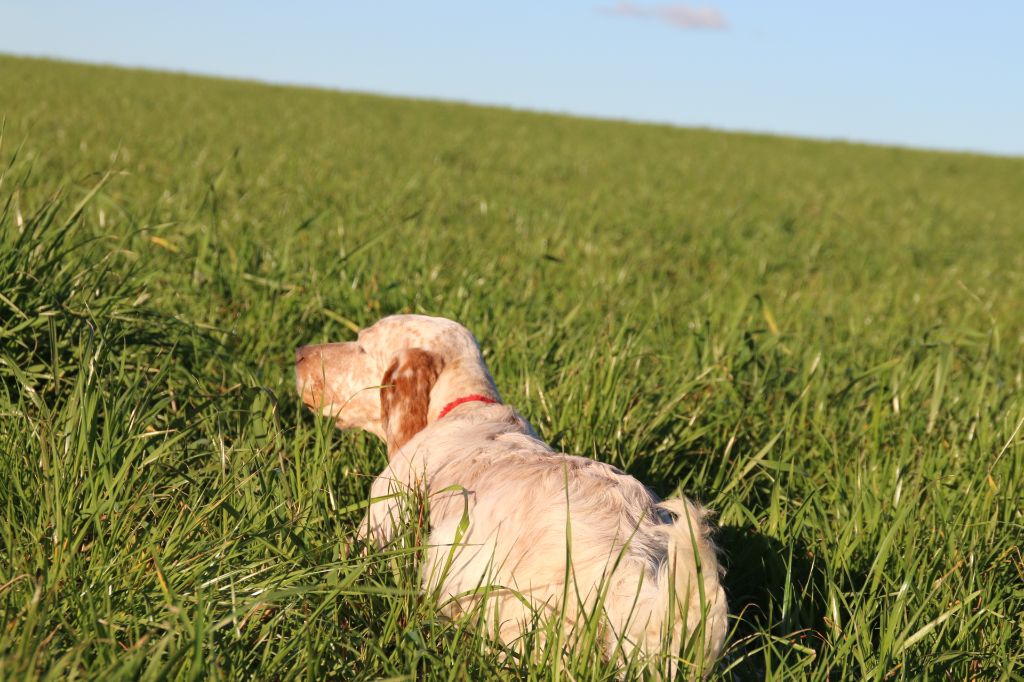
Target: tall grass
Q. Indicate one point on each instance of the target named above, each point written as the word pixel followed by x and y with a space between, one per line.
pixel 823 342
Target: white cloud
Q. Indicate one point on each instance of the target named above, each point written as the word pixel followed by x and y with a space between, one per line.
pixel 677 15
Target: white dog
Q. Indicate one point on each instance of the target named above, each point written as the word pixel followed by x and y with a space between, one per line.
pixel 541 525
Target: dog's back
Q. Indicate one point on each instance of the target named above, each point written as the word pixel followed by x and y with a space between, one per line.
pixel 510 514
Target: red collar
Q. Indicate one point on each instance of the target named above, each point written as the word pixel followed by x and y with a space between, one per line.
pixel 474 397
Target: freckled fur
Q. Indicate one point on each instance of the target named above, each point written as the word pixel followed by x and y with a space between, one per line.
pixel 519 494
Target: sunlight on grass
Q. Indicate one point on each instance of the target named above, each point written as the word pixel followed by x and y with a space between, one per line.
pixel 822 342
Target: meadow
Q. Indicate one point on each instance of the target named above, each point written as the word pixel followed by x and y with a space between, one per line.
pixel 822 341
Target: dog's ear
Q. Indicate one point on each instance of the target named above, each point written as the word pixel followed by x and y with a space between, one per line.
pixel 405 394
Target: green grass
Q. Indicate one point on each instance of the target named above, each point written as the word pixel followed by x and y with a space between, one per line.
pixel 824 342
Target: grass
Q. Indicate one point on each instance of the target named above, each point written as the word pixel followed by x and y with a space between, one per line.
pixel 821 341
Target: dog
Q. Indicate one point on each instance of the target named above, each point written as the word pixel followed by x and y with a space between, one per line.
pixel 543 532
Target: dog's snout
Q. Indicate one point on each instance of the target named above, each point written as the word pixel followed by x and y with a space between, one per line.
pixel 307 383
pixel 303 352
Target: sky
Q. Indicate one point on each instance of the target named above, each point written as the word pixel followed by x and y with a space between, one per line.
pixel 937 75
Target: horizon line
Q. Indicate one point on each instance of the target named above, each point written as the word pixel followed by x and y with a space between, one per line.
pixel 480 104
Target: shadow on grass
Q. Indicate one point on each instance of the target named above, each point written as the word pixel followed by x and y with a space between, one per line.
pixel 778 593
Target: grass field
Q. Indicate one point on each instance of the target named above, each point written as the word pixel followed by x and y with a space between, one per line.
pixel 824 342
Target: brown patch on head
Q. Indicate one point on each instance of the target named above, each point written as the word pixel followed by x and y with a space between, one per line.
pixel 405 394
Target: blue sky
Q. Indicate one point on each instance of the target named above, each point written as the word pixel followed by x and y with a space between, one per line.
pixel 947 75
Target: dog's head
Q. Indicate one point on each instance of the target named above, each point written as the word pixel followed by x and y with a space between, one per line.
pixel 395 378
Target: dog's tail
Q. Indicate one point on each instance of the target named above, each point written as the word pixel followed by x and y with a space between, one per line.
pixel 684 621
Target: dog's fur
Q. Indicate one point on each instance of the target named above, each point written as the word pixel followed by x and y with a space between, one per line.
pixel 532 512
